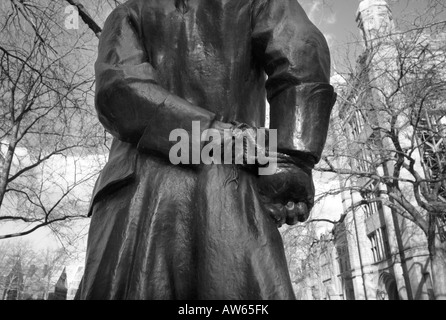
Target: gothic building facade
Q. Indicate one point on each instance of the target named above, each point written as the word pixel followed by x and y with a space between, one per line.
pixel 376 253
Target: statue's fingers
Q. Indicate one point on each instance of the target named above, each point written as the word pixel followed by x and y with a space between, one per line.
pixel 291 213
pixel 277 212
pixel 302 212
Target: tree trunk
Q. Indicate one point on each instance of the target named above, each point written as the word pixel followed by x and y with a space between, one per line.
pixel 438 268
pixel 4 172
pixel 6 165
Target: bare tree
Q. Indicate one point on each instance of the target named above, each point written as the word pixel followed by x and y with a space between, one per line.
pixel 51 141
pixel 389 132
pixel 299 243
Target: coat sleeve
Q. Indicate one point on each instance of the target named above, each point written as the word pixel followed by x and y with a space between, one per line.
pixel 296 58
pixel 129 101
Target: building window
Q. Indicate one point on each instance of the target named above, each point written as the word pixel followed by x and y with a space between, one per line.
pixel 343 258
pixel 341 264
pixel 379 244
pixel 347 263
pixel 344 264
pixel 372 238
pixel 349 291
pixel 356 123
pixel 372 206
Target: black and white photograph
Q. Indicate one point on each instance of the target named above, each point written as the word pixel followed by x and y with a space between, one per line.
pixel 220 158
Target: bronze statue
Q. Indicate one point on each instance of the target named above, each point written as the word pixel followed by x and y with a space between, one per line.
pixel 164 231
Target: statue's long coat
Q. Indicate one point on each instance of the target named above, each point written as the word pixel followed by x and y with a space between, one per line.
pixel 160 231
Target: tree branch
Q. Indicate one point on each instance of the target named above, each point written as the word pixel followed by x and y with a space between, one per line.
pixel 43 224
pixel 89 21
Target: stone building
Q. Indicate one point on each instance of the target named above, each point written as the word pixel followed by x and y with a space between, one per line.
pixel 375 253
pixel 60 289
pixel 13 284
pixel 31 282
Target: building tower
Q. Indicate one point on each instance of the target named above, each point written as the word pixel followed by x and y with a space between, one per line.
pixel 374 18
pixel 396 245
pixel 375 237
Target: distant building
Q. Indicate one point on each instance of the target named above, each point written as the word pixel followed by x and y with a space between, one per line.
pixel 60 289
pixel 39 283
pixel 14 282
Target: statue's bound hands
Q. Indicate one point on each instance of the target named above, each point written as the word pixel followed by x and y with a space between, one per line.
pixel 288 194
pixel 242 143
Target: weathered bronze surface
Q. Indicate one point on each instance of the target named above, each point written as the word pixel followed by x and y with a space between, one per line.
pixel 160 231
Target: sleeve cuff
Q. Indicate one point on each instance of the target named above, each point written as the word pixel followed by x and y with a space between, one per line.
pixel 301 116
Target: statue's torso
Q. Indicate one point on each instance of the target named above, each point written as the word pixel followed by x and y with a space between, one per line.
pixel 204 55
